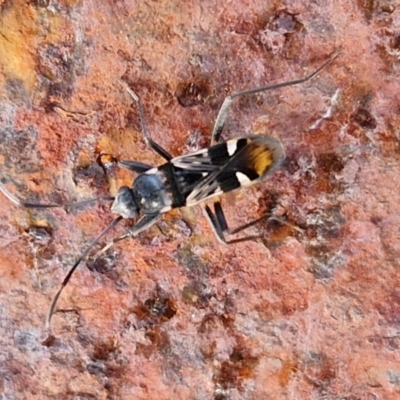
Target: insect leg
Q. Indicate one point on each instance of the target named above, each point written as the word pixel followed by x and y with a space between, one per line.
pixel 220 228
pixel 224 110
pixel 66 206
pixel 135 166
pixel 149 141
pixel 142 224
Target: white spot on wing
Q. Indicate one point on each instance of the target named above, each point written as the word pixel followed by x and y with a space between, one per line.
pixel 165 209
pixel 198 196
pixel 231 146
pixel 244 179
pixel 152 171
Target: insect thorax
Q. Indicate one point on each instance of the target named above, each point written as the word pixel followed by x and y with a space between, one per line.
pixel 150 192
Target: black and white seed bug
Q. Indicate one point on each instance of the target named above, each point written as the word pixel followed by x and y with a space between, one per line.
pixel 186 180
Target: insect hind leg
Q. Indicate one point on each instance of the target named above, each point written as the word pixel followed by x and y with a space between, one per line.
pixel 220 228
pixel 224 110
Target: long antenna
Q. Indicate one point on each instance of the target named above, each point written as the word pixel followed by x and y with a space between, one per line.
pixel 27 204
pixel 72 270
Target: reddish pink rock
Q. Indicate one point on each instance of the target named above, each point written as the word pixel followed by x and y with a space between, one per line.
pixel 311 312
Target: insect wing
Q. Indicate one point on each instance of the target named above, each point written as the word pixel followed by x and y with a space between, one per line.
pixel 200 161
pixel 238 162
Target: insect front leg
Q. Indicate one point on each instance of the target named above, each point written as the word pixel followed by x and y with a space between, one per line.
pixel 220 228
pixel 149 141
pixel 135 166
pixel 145 222
pixel 224 110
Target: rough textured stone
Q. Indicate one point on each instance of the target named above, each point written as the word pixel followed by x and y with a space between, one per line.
pixel 312 312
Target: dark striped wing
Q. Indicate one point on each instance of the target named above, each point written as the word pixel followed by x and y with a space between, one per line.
pixel 230 165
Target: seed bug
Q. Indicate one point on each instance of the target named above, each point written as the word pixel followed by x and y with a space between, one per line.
pixel 186 180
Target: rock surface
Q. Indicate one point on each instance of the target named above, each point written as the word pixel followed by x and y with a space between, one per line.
pixel 310 312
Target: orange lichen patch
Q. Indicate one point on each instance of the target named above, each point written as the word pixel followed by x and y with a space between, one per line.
pixel 286 372
pixel 71 3
pixel 105 145
pixel 125 144
pixel 18 32
pixel 84 160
